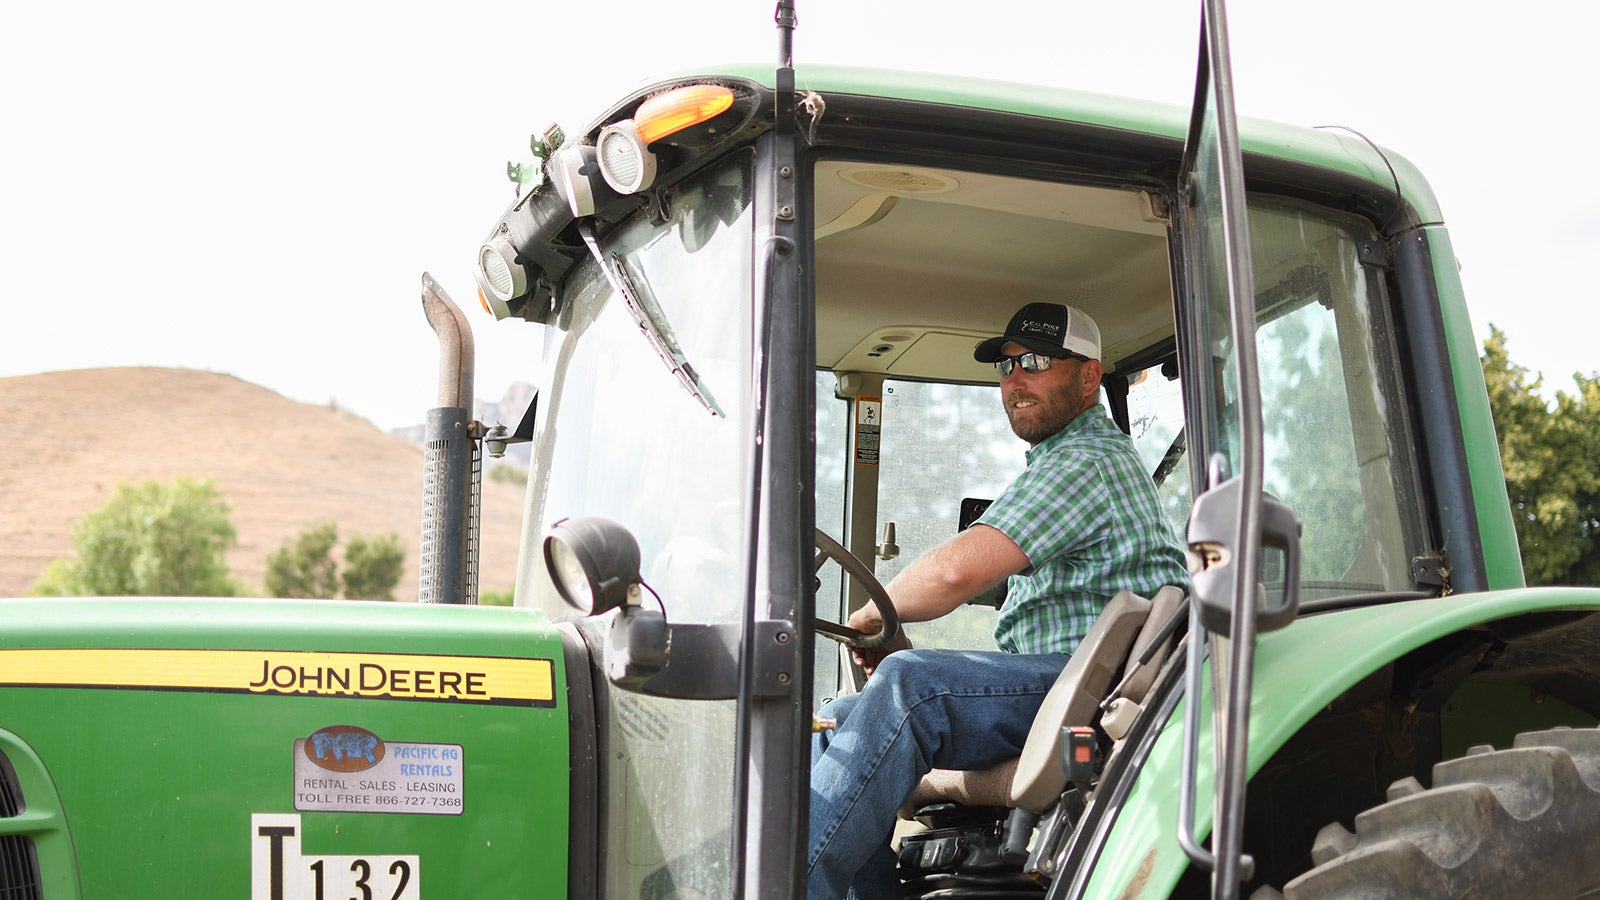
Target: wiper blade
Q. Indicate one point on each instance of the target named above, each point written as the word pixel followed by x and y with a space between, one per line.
pixel 652 323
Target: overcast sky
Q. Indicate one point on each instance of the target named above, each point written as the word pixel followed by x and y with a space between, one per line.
pixel 257 188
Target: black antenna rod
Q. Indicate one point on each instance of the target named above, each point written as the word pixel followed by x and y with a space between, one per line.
pixel 786 21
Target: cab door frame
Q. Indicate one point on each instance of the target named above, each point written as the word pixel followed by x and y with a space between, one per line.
pixel 1227 522
pixel 772 741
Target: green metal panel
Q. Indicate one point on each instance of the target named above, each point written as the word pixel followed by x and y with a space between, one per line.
pixel 1502 558
pixel 1482 712
pixel 41 820
pixel 159 784
pixel 1299 670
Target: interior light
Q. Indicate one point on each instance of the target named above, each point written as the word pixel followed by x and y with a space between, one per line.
pixel 594 563
pixel 672 111
pixel 625 161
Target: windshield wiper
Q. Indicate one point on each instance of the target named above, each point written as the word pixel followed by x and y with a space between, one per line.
pixel 652 323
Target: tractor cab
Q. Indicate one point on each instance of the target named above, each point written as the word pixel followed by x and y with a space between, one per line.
pixel 759 291
pixel 760 296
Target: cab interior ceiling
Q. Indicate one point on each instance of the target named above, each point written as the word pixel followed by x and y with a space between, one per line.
pixel 916 264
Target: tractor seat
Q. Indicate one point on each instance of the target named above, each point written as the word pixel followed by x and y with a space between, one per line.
pixel 1035 780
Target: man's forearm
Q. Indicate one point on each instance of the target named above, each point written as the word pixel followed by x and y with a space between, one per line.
pixel 955 572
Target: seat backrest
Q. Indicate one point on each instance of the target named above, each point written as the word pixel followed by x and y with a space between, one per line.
pixel 1137 684
pixel 1073 699
pixel 1034 781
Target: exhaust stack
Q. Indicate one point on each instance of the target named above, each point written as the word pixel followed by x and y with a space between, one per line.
pixel 453 462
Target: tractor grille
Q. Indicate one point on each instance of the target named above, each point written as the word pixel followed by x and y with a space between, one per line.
pixel 19 861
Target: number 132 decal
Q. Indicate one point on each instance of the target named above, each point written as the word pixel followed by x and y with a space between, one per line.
pixel 279 871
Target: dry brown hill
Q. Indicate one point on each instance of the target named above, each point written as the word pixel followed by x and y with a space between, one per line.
pixel 66 438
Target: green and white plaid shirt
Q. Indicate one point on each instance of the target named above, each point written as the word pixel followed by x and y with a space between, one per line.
pixel 1087 516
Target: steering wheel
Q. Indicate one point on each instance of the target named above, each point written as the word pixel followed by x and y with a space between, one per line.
pixel 828 548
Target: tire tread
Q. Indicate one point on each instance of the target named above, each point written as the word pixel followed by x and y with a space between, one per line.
pixel 1496 823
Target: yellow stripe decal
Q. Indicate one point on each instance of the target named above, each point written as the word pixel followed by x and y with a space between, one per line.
pixel 468 679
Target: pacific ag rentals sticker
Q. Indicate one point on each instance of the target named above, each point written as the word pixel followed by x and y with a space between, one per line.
pixel 346 768
pixel 279 871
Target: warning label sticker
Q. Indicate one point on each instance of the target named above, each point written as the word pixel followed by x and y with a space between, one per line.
pixel 345 768
pixel 869 415
pixel 279 871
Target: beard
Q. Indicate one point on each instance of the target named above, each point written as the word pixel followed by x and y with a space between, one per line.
pixel 1034 417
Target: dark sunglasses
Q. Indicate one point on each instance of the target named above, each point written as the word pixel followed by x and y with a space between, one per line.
pixel 1032 363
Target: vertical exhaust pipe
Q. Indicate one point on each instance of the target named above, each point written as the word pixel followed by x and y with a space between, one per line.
pixel 453 462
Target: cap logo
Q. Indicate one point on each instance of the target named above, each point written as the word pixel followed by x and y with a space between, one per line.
pixel 1032 325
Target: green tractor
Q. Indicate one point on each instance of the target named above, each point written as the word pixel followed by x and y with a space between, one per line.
pixel 759 291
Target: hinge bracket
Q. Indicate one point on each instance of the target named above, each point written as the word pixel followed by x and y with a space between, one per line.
pixel 1430 571
pixel 1374 254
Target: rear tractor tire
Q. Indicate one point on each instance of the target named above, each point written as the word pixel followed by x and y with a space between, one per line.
pixel 1522 822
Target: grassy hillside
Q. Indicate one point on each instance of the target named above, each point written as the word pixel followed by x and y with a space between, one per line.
pixel 67 437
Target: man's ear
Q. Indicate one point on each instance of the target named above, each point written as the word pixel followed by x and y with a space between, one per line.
pixel 1092 372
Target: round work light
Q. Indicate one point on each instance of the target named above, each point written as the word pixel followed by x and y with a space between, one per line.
pixel 501 278
pixel 625 162
pixel 593 561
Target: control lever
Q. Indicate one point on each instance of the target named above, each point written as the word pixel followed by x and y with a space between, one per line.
pixel 888 549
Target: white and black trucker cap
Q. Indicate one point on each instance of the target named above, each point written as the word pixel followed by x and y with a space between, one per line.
pixel 1053 329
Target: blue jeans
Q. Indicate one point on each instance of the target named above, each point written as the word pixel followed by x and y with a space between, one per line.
pixel 921 710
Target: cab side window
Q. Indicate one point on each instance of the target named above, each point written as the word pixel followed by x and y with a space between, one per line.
pixel 1337 437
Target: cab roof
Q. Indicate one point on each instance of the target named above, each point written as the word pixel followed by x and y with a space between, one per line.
pixel 1337 149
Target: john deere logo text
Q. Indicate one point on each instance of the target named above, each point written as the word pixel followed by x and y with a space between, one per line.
pixel 344 748
pixel 371 679
pixel 490 680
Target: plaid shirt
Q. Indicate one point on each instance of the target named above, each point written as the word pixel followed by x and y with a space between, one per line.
pixel 1086 515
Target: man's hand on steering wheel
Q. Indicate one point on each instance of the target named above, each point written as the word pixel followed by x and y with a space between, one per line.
pixel 885 623
pixel 867 619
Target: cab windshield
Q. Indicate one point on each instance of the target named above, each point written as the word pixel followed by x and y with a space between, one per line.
pixel 623 437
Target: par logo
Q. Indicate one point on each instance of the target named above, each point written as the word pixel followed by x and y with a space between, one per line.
pixel 280 871
pixel 344 748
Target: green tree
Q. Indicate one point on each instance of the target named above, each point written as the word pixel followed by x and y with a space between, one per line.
pixel 303 565
pixel 495 598
pixel 1551 478
pixel 149 539
pixel 372 567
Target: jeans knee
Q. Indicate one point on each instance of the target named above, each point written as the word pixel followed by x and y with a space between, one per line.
pixel 900 667
pixel 909 673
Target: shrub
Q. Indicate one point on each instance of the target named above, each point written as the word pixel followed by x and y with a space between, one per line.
pixel 150 539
